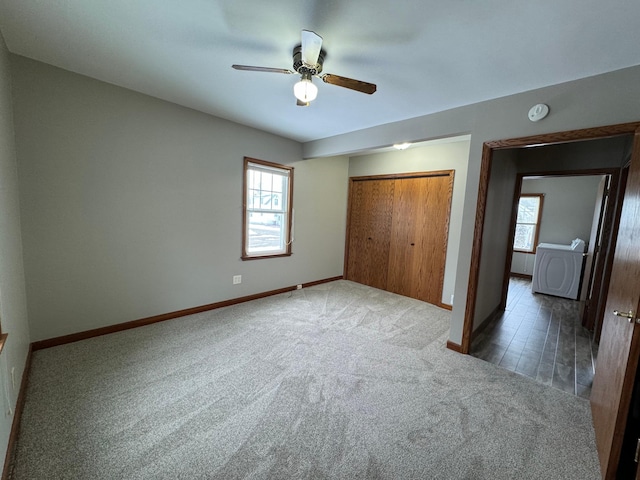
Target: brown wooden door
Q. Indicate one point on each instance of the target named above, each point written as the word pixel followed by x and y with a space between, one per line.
pixel 419 233
pixel 620 340
pixel 369 231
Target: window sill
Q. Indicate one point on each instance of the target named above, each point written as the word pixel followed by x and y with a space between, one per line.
pixel 258 257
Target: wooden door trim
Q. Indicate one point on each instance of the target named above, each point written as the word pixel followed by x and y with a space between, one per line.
pixel 483 185
pixel 601 270
pixel 621 181
pixel 474 268
pixel 347 235
pixel 395 176
pixel 566 137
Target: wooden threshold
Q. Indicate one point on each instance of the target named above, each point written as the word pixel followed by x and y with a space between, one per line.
pixel 526 276
pixel 96 332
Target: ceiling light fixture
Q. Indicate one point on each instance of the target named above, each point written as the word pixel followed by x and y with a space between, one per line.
pixel 305 90
pixel 401 146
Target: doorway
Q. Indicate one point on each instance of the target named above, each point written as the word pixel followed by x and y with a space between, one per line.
pixel 540 335
pixel 502 162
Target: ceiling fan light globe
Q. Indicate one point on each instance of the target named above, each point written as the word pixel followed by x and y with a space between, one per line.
pixel 305 91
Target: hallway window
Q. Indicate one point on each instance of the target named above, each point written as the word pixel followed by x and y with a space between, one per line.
pixel 528 222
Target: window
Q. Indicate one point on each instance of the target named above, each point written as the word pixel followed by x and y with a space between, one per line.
pixel 528 222
pixel 266 222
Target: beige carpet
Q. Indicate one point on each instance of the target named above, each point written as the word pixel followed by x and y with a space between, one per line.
pixel 335 381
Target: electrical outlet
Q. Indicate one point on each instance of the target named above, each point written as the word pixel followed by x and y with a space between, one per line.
pixel 237 279
pixel 13 377
pixel 299 287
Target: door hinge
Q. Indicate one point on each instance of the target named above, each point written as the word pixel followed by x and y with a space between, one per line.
pixel 637 451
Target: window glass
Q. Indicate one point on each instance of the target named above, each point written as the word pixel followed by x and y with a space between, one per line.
pixel 528 209
pixel 527 222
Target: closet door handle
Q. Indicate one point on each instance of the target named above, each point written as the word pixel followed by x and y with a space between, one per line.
pixel 412 244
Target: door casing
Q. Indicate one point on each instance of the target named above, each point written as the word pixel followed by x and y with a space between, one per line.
pixel 483 186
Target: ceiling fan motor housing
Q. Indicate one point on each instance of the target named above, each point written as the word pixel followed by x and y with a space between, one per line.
pixel 302 68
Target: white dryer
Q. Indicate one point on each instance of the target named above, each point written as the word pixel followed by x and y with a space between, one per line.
pixel 557 269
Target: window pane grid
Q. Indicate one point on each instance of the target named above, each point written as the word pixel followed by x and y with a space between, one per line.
pixel 266 192
pixel 264 210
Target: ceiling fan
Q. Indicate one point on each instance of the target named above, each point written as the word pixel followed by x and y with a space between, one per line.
pixel 308 58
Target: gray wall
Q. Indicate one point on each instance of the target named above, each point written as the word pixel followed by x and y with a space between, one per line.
pixel 600 100
pixel 568 206
pixel 495 235
pixel 567 212
pixel 132 206
pixel 440 156
pixel 13 307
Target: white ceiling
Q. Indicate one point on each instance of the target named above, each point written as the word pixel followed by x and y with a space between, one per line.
pixel 424 55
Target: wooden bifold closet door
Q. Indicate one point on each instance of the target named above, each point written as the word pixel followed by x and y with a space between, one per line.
pixel 397 232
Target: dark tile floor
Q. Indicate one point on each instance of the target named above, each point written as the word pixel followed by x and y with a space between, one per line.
pixel 540 336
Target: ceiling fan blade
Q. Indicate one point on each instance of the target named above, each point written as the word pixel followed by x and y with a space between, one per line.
pixel 301 103
pixel 261 69
pixel 350 83
pixel 311 47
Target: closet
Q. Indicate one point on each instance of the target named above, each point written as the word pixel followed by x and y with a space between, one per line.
pixel 397 229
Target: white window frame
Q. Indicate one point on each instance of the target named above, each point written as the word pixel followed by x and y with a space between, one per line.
pixel 252 165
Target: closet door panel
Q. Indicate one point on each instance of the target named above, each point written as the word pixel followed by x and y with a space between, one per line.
pixel 419 235
pixel 402 251
pixel 371 209
pixel 433 239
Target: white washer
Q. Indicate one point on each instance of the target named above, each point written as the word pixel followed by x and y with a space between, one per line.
pixel 558 269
